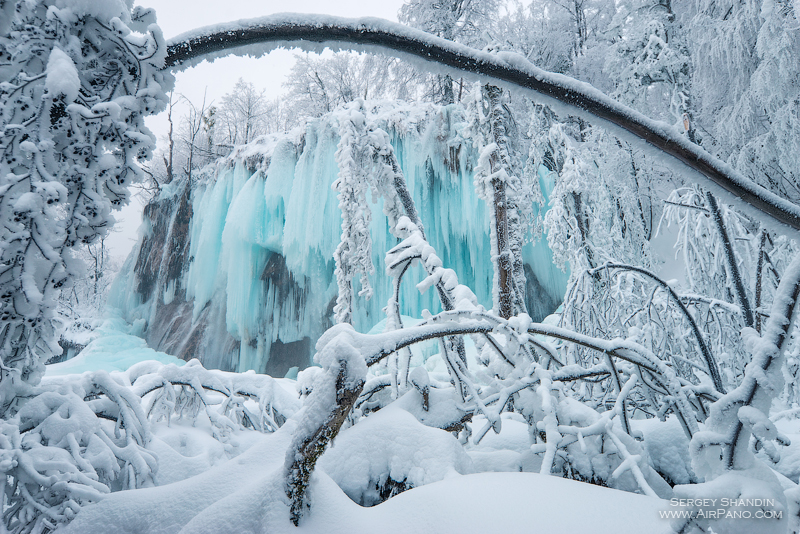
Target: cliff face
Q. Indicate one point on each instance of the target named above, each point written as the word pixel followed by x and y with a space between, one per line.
pixel 237 268
pixel 160 262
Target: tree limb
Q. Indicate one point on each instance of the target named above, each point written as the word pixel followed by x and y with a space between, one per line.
pixel 506 68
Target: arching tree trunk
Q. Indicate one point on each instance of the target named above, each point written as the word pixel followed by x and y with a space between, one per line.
pixel 504 68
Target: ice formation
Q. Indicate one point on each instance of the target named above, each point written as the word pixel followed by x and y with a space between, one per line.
pixel 237 270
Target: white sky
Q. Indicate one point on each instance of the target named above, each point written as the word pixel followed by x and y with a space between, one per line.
pixel 218 78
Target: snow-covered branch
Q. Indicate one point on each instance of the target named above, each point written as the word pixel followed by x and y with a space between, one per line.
pixel 336 389
pixel 259 36
pixel 75 87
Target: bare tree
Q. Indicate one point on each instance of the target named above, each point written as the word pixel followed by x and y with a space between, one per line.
pixel 190 136
pixel 242 116
pixel 159 170
pixel 92 288
pixel 168 158
pixel 319 85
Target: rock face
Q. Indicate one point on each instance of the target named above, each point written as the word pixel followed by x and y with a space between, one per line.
pixel 236 268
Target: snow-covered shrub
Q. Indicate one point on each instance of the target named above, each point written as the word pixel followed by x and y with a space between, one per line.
pixel 77 80
pixel 82 437
pixel 60 451
pixel 619 300
pixel 229 400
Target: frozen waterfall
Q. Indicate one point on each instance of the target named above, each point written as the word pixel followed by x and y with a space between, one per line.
pixel 237 269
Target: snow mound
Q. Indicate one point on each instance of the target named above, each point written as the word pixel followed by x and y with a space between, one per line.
pixel 668 447
pixel 392 451
pixel 246 495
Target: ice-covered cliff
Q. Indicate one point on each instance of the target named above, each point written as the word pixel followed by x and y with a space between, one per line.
pixel 236 269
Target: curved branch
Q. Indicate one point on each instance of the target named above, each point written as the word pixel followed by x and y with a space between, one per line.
pixel 625 350
pixel 258 36
pixel 730 257
pixel 711 362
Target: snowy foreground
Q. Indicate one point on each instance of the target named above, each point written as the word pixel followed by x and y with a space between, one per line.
pixel 236 485
pixel 246 495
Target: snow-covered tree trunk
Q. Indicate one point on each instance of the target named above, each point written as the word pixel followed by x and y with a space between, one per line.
pixel 501 239
pixel 503 258
pixel 334 393
pixel 498 182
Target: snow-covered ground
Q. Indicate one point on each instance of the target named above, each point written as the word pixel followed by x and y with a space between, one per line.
pixel 206 486
pixel 246 495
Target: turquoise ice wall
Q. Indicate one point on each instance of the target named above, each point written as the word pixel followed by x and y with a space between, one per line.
pixel 266 222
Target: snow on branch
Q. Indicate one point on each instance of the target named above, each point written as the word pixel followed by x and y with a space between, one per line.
pixel 258 36
pixel 336 389
pixel 74 90
pixel 720 453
